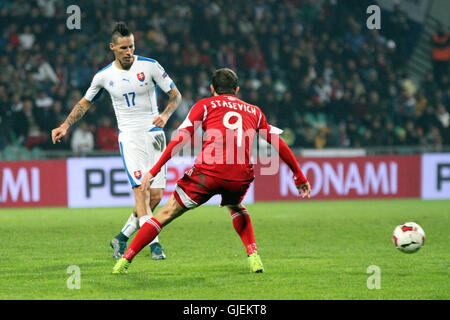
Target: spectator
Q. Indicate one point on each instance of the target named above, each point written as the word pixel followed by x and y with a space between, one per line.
pixel 443 116
pixel 307 138
pixel 82 139
pixel 307 64
pixel 390 136
pixel 428 119
pixel 16 103
pixel 352 131
pixel 43 101
pixel 321 138
pixel 6 67
pixel 398 28
pixel 13 36
pixel 26 38
pixel 285 110
pixel 433 138
pixel 48 6
pixel 226 57
pixel 367 139
pixel 45 72
pixel 377 133
pixel 26 127
pixel 55 116
pixel 444 122
pixel 254 60
pixel 412 135
pixel 342 138
pixel 107 137
pixel 440 54
pixel 322 93
pixel 421 104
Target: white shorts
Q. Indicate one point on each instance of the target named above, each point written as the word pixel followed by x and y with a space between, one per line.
pixel 140 151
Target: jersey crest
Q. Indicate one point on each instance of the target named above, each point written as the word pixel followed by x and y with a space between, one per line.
pixel 141 76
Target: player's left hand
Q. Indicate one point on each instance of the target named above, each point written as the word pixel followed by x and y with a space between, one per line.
pixel 146 181
pixel 161 120
pixel 304 190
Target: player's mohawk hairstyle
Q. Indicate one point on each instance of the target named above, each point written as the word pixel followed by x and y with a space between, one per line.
pixel 120 30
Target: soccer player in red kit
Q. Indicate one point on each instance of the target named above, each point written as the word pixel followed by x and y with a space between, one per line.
pixel 223 166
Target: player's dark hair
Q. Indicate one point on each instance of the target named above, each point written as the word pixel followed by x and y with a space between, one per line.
pixel 120 30
pixel 224 81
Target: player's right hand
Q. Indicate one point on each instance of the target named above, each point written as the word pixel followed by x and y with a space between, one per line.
pixel 59 133
pixel 161 120
pixel 304 190
pixel 146 181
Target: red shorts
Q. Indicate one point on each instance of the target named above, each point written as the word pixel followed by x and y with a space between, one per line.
pixel 196 188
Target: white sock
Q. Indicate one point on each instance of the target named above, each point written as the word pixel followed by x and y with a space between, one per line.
pixel 130 226
pixel 154 240
pixel 143 220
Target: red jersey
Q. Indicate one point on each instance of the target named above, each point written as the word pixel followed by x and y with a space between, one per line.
pixel 229 126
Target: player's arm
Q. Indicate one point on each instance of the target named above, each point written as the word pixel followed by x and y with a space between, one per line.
pixel 162 79
pixel 76 114
pixel 174 101
pixel 272 135
pixel 184 134
pixel 92 94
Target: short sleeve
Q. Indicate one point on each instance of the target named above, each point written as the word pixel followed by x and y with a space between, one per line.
pixel 161 77
pixel 196 116
pixel 264 128
pixel 95 90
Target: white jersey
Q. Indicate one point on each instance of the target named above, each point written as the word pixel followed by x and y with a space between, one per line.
pixel 133 92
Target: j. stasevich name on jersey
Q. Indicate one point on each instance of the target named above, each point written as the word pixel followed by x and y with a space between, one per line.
pixel 233 105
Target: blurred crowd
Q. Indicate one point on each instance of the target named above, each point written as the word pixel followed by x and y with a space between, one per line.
pixel 313 67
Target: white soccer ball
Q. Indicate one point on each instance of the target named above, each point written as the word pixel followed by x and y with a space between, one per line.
pixel 409 237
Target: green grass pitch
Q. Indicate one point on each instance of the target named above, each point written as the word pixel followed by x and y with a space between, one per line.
pixel 310 250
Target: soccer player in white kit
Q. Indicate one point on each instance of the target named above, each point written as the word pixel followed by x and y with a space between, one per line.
pixel 131 82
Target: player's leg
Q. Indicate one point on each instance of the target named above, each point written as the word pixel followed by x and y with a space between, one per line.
pixel 242 223
pixel 156 195
pixel 191 191
pixel 243 226
pixel 148 231
pixel 232 195
pixel 156 249
pixel 151 228
pixel 155 142
pixel 133 156
pixel 119 242
pixel 142 199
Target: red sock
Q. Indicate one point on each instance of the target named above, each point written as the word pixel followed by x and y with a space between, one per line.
pixel 243 226
pixel 146 234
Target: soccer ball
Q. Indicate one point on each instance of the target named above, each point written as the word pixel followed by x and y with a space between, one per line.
pixel 409 237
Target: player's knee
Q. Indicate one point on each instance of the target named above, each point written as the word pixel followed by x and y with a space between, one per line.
pixel 139 193
pixel 237 208
pixel 171 210
pixel 165 215
pixel 155 198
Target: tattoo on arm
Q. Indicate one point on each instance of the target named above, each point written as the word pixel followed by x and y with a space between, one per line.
pixel 174 101
pixel 77 113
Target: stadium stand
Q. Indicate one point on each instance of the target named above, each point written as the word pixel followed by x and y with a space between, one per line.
pixel 312 66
